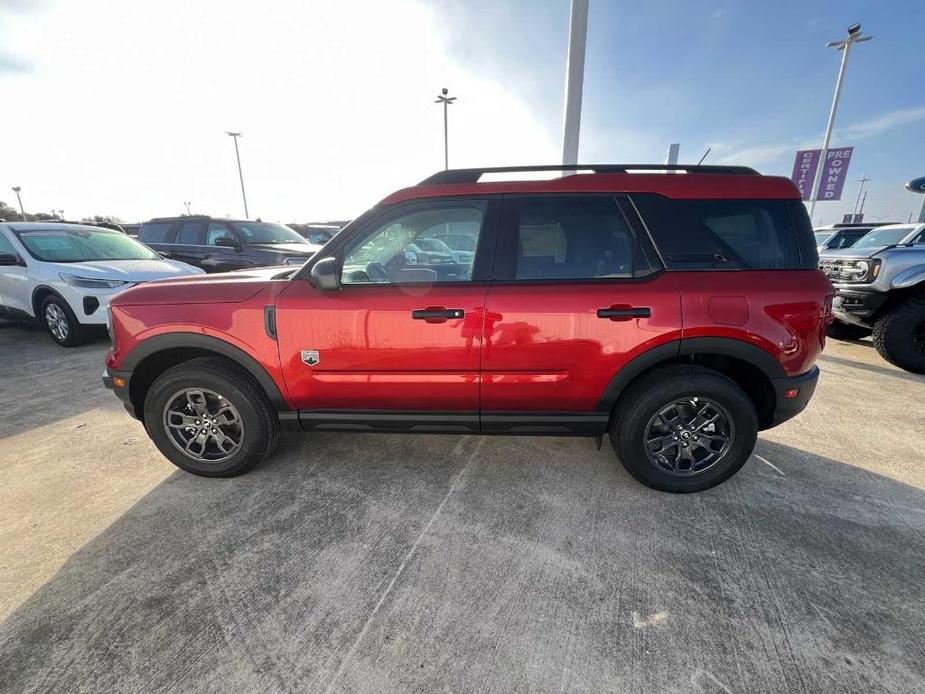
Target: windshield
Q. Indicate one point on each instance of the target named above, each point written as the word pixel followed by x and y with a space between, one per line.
pixel 821 236
pixel 262 232
pixel 884 236
pixel 459 242
pixel 432 246
pixel 82 244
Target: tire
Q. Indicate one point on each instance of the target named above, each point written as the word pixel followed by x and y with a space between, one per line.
pixel 899 335
pixel 846 331
pixel 251 424
pixel 61 322
pixel 638 410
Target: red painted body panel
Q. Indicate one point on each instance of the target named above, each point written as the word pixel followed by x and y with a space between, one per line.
pixel 670 185
pixel 545 348
pixel 373 354
pixel 787 311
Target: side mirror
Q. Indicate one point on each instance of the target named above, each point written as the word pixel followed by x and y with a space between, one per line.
pixel 228 242
pixel 7 259
pixel 325 275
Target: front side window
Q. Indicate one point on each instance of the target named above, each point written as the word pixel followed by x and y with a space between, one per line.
pixel 572 237
pixel 83 244
pixel 217 231
pixel 722 234
pixel 407 249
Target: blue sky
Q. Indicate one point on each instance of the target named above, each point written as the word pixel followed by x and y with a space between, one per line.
pixel 335 98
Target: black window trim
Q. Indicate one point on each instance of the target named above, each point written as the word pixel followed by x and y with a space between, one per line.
pixel 505 255
pixel 484 251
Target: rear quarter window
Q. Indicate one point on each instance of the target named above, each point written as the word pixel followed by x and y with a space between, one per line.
pixel 729 234
pixel 154 233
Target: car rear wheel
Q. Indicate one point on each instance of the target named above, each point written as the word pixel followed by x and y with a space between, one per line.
pixel 208 417
pixel 899 335
pixel 846 331
pixel 61 322
pixel 684 429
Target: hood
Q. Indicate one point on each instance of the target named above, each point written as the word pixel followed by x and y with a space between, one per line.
pixel 218 288
pixel 128 270
pixel 306 249
pixel 851 253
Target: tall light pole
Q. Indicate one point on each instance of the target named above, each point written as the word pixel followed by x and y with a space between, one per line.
pixel 574 80
pixel 16 190
pixel 862 180
pixel 446 101
pixel 237 154
pixel 187 204
pixel 854 36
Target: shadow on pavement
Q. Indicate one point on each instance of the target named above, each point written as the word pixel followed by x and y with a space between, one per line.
pixel 43 382
pixel 884 370
pixel 390 563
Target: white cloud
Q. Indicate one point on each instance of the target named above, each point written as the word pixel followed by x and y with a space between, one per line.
pixel 125 109
pixel 763 154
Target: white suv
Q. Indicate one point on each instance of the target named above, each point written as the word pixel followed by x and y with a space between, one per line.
pixel 65 274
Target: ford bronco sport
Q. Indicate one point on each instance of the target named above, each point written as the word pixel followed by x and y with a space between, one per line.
pixel 679 309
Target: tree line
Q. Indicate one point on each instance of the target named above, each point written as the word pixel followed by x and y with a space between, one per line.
pixel 9 213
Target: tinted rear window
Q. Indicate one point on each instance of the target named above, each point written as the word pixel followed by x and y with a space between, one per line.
pixel 154 233
pixel 727 234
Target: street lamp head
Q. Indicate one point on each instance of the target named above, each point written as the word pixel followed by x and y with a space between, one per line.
pixel 16 189
pixel 854 29
pixel 228 132
pixel 445 91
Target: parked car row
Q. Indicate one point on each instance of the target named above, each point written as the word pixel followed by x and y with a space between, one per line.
pixel 880 290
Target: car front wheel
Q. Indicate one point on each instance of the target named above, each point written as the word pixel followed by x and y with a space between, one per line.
pixel 208 417
pixel 899 335
pixel 61 322
pixel 684 429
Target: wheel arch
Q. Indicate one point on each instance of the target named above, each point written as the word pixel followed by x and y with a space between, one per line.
pixel 42 292
pixel 752 368
pixel 151 357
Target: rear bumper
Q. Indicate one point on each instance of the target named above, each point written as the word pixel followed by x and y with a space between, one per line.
pixel 858 308
pixel 789 407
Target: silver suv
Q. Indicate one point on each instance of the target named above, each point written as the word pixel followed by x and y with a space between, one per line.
pixel 880 289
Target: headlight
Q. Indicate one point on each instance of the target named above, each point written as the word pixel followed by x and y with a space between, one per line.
pixel 90 282
pixel 295 261
pixel 862 270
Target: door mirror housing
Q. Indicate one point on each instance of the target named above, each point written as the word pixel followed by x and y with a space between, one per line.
pixel 228 242
pixel 325 275
pixel 7 259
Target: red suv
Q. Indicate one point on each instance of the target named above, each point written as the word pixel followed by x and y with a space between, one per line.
pixel 679 309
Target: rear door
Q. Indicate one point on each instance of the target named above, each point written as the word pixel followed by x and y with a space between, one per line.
pixel 15 285
pixel 577 293
pixel 398 346
pixel 187 245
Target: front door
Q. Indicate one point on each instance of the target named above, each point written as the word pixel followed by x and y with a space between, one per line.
pixel 398 346
pixel 15 296
pixel 578 293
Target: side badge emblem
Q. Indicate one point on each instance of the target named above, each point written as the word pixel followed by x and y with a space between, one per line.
pixel 310 356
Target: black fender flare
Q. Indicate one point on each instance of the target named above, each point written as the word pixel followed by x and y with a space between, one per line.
pixel 165 341
pixel 670 351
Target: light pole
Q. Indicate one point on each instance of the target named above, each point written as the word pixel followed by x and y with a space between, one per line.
pixel 574 79
pixel 854 36
pixel 446 101
pixel 61 214
pixel 862 180
pixel 187 204
pixel 237 154
pixel 16 190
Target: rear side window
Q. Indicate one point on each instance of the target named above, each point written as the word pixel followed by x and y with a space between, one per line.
pixel 154 233
pixel 190 234
pixel 727 234
pixel 571 237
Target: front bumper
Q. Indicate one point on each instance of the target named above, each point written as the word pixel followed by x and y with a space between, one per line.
pixel 789 407
pixel 857 307
pixel 119 383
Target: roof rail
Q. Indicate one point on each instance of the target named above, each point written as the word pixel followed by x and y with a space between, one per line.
pixel 473 175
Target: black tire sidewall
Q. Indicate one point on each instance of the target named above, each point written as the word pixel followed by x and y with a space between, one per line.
pixel 257 436
pixel 74 329
pixel 628 429
pixel 894 332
